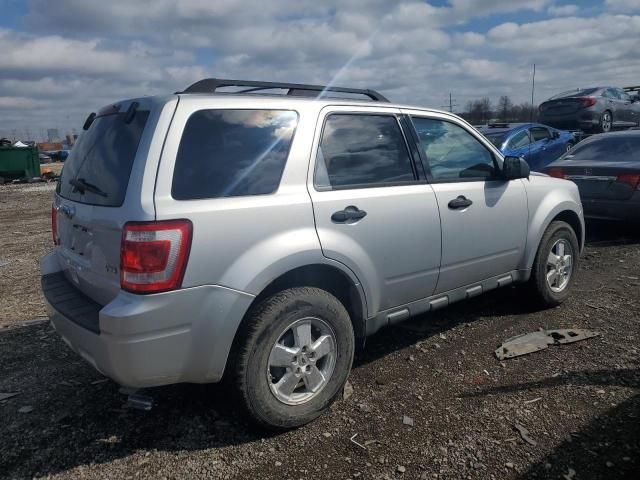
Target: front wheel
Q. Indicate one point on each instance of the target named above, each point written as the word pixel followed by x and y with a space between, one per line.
pixel 555 265
pixel 295 355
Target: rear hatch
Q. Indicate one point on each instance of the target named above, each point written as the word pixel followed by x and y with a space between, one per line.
pixel 90 198
pixel 603 167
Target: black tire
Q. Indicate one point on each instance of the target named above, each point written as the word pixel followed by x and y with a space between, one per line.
pixel 540 290
pixel 263 327
pixel 568 146
pixel 602 124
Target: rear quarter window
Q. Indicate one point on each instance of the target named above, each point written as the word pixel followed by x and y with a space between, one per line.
pixel 229 153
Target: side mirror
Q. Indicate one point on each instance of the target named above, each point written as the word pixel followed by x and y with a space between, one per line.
pixel 514 168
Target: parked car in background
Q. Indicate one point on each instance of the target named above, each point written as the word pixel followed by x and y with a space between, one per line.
pixel 58 155
pixel 538 144
pixel 44 158
pixel 262 237
pixel 606 169
pixel 596 109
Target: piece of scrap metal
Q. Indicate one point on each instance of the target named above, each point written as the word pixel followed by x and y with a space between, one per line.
pixel 535 341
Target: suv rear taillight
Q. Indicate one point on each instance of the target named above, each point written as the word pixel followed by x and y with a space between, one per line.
pixel 54 225
pixel 556 172
pixel 632 179
pixel 153 255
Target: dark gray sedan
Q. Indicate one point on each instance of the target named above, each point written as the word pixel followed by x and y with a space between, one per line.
pixel 606 169
pixel 598 109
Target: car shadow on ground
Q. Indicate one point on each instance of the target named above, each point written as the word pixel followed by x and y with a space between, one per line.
pixel 607 447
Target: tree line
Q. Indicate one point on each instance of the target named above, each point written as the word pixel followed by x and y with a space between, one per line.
pixel 482 111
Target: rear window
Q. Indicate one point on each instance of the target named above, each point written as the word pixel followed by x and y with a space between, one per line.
pixel 98 168
pixel 230 153
pixel 614 148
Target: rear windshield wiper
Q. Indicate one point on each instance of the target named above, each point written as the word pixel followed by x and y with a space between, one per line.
pixel 81 185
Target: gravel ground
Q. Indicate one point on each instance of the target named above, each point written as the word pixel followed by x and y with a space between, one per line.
pixel 579 402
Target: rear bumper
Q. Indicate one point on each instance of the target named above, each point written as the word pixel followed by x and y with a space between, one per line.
pixel 625 210
pixel 149 340
pixel 585 119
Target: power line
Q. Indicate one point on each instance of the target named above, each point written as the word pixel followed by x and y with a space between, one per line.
pixel 451 104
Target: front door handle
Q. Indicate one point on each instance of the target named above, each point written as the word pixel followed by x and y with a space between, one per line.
pixel 350 214
pixel 460 202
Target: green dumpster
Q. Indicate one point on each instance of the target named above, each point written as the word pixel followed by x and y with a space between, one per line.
pixel 19 163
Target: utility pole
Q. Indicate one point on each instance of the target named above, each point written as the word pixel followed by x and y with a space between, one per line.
pixel 451 104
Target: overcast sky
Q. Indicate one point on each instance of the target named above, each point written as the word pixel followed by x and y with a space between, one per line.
pixel 60 60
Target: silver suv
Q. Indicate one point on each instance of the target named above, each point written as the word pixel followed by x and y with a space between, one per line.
pixel 259 234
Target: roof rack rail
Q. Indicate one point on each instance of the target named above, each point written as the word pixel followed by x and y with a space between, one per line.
pixel 632 89
pixel 498 124
pixel 210 85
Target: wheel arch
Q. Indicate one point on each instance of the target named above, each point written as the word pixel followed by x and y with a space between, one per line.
pixel 565 212
pixel 330 278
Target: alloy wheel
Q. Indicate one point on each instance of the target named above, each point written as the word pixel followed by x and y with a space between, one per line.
pixel 559 265
pixel 301 361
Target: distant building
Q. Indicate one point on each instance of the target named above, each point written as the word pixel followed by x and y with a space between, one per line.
pixel 50 146
pixel 53 135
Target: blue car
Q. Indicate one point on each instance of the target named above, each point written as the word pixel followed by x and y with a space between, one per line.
pixel 538 144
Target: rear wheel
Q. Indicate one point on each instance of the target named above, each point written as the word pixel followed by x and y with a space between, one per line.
pixel 295 356
pixel 606 122
pixel 555 265
pixel 568 146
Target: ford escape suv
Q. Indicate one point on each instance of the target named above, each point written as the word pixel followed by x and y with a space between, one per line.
pixel 257 231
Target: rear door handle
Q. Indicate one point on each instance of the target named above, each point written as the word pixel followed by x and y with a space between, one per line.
pixel 460 202
pixel 350 214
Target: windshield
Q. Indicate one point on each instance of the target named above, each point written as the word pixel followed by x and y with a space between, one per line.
pixel 496 138
pixel 616 148
pixel 98 168
pixel 578 92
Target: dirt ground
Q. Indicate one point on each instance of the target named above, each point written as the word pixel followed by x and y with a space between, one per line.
pixel 580 403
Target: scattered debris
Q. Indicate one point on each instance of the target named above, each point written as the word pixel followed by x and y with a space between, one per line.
pixel 97 382
pixel 326 435
pixel 509 465
pixel 524 433
pixel 278 464
pixel 401 469
pixel 26 409
pixel 407 421
pixel 570 474
pixel 4 262
pixel 347 391
pixel 528 402
pixel 5 396
pixel 535 341
pixel 353 440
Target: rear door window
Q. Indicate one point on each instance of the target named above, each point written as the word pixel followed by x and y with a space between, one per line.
pixel 98 168
pixel 230 153
pixel 362 150
pixel 539 133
